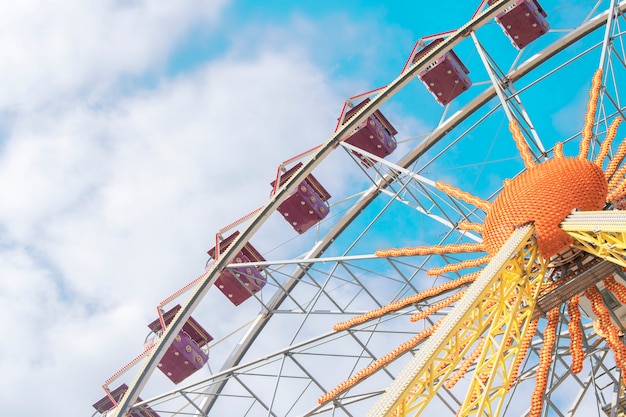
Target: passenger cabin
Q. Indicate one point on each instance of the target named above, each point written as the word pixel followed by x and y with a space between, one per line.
pixel 185 355
pixel 105 404
pixel 523 21
pixel 445 77
pixel 307 205
pixel 240 283
pixel 374 135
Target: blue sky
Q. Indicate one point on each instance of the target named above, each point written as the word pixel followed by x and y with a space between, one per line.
pixel 130 132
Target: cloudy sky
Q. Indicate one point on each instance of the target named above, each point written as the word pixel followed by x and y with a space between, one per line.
pixel 130 132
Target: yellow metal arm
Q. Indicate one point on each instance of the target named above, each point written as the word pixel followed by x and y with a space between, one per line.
pixel 601 233
pixel 504 294
pixel 496 369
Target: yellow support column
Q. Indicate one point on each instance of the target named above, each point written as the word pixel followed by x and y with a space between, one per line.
pixel 510 281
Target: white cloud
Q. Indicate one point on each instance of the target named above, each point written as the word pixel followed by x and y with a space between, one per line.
pixel 53 50
pixel 111 193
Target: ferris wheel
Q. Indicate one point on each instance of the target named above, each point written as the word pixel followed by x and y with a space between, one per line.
pixel 477 268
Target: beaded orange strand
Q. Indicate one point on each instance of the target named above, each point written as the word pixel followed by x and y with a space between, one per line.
pixel 616 288
pixel 607 327
pixel 397 305
pixel 545 359
pixel 596 84
pixel 528 337
pixel 379 363
pixel 437 306
pixel 467 362
pixel 576 335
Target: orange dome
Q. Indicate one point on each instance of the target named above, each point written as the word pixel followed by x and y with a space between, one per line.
pixel 545 194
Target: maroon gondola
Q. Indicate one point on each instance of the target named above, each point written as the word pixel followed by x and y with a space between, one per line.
pixel 523 21
pixel 240 283
pixel 307 205
pixel 445 77
pixel 185 355
pixel 374 135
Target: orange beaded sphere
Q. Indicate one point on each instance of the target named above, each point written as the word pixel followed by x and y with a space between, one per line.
pixel 545 194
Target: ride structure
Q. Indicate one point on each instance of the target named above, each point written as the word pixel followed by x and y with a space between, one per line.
pixel 540 314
